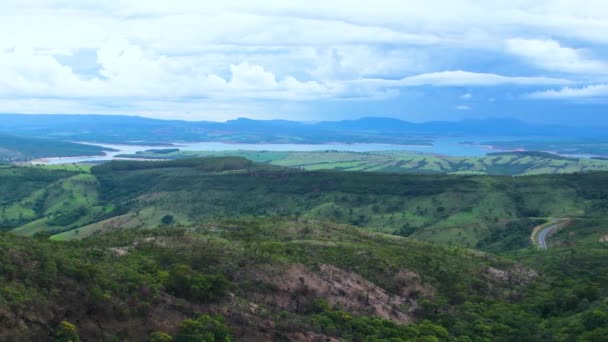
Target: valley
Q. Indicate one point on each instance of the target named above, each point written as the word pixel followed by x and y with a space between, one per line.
pixel 303 171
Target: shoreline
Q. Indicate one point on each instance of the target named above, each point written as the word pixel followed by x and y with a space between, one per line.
pixel 114 150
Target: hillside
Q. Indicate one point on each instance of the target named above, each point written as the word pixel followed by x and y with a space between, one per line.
pixel 454 209
pixel 20 149
pixel 223 248
pixel 299 280
pixel 267 278
pixel 568 146
pixel 507 163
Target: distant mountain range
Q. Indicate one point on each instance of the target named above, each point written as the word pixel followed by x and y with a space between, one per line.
pixel 121 129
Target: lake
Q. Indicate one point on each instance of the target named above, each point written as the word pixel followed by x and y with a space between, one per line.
pixel 443 146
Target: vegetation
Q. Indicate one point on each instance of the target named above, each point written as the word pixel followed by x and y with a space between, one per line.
pixel 511 163
pixel 462 210
pixel 568 146
pixel 385 246
pixel 20 149
pixel 224 249
pixel 287 279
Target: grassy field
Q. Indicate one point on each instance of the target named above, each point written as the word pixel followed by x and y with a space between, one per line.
pixel 42 199
pixel 514 163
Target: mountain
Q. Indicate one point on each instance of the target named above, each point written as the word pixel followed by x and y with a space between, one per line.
pixel 122 129
pixel 224 249
pixel 20 149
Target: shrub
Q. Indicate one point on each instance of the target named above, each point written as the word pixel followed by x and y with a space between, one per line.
pixel 183 281
pixel 204 329
pixel 66 332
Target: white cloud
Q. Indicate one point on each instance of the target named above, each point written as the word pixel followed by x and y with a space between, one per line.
pixel 463 107
pixel 464 78
pixel 550 55
pixel 355 61
pixel 466 96
pixel 129 71
pixel 591 91
pixel 243 50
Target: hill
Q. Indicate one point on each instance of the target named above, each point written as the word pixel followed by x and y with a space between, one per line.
pixel 223 248
pixel 278 279
pixel 454 209
pixel 20 149
pixel 506 163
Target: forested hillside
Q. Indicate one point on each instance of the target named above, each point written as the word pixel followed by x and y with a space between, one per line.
pixel 472 211
pixel 269 279
pixel 220 249
pixel 19 149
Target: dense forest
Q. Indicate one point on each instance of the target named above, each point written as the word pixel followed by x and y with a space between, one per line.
pixel 221 249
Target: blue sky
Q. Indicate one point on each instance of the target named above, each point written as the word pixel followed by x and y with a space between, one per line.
pixel 542 61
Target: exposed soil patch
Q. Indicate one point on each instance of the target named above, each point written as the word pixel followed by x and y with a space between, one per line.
pixel 297 287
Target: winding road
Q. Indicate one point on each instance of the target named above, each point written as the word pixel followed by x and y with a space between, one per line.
pixel 540 233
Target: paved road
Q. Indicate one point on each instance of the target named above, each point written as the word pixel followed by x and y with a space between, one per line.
pixel 541 236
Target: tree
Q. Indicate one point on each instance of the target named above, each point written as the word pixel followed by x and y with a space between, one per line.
pixel 204 329
pixel 66 332
pixel 160 337
pixel 183 281
pixel 167 220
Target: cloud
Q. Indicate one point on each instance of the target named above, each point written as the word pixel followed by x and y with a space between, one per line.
pixel 454 78
pixel 463 78
pixel 466 96
pixel 182 51
pixel 127 70
pixel 550 55
pixel 591 91
pixel 463 107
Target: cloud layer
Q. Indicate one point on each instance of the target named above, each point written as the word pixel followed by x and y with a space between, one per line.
pixel 198 60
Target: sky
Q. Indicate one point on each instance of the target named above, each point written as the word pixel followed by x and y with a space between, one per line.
pixel 539 61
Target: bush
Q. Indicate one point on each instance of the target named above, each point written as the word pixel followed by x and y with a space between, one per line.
pixel 167 220
pixel 66 332
pixel 204 329
pixel 204 288
pixel 160 337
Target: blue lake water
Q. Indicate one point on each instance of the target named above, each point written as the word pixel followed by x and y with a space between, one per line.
pixel 442 146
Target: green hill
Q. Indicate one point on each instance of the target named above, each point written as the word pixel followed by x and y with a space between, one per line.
pixel 19 149
pixel 507 163
pixel 227 249
pixel 473 211
pixel 278 279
